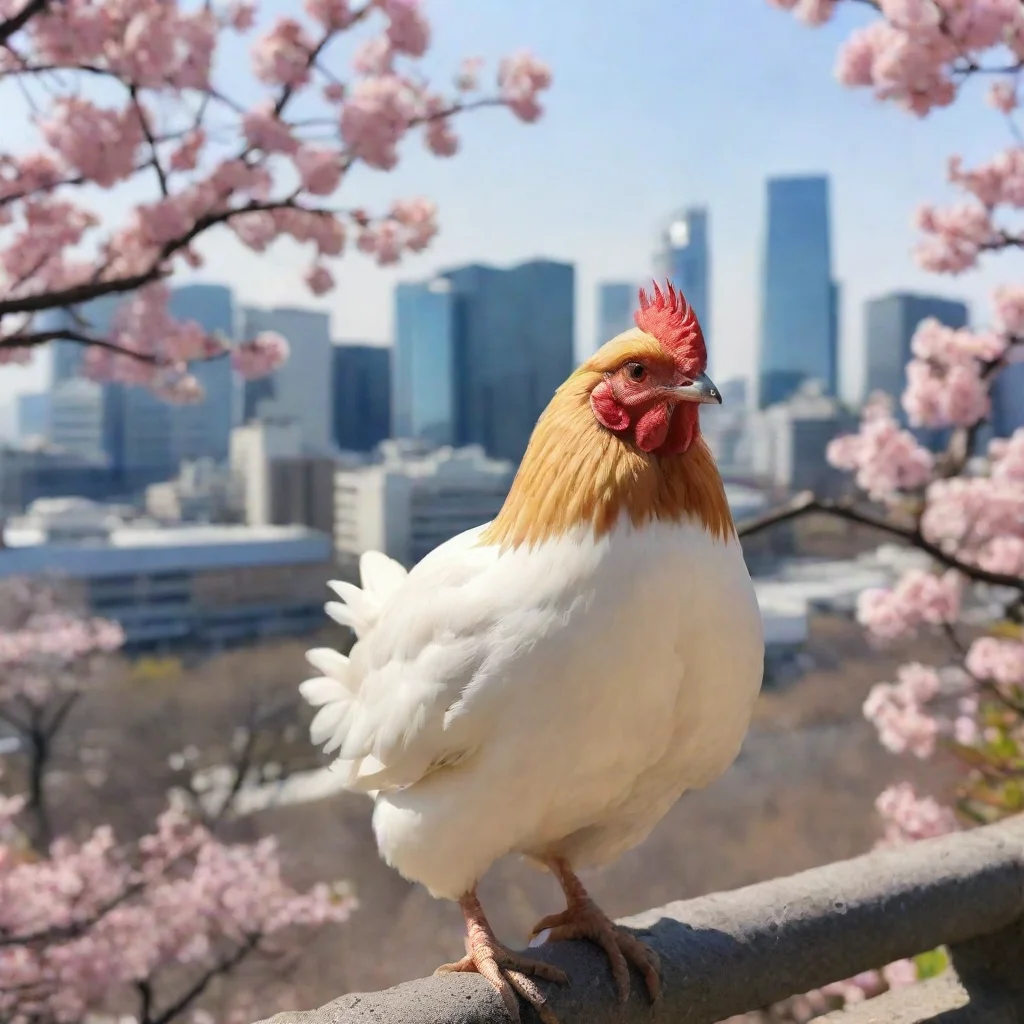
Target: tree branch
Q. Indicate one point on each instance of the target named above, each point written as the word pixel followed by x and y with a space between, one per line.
pixel 18 21
pixel 806 503
pixel 42 337
pixel 79 293
pixel 222 967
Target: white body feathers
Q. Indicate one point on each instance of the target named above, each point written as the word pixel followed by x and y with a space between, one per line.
pixel 557 699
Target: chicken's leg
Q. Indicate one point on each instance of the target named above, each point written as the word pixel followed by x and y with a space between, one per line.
pixel 505 970
pixel 583 919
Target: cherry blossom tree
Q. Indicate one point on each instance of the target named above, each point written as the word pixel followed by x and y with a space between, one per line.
pixel 124 98
pixel 147 925
pixel 962 508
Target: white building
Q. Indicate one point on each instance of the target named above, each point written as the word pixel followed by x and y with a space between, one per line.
pixel 789 440
pixel 253 447
pixel 303 388
pixel 76 417
pixel 203 491
pixel 415 499
pixel 194 585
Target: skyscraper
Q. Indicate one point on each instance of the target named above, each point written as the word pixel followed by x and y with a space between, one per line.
pixel 799 310
pixel 684 258
pixel 362 396
pixel 203 429
pixel 514 347
pixel 423 362
pixel 302 388
pixel 889 325
pixel 1008 401
pixel 616 303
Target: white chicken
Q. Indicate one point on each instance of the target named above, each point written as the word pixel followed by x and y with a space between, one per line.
pixel 550 683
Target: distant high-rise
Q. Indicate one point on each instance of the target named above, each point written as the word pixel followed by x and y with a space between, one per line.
pixel 514 347
pixel 76 417
pixel 889 325
pixel 33 415
pixel 616 303
pixel 1008 401
pixel 362 396
pixel 302 388
pixel 799 311
pixel 203 429
pixel 685 259
pixel 423 362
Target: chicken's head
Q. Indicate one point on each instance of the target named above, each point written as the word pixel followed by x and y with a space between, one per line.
pixel 654 378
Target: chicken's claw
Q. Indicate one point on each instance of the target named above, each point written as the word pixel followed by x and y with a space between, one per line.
pixel 585 920
pixel 509 973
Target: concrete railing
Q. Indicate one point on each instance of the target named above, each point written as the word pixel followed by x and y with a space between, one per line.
pixel 733 952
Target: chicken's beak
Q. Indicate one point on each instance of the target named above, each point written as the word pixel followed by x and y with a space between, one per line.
pixel 702 391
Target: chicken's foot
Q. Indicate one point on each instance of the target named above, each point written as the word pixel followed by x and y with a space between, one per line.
pixel 583 919
pixel 506 970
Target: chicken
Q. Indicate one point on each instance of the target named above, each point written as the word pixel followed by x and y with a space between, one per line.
pixel 551 682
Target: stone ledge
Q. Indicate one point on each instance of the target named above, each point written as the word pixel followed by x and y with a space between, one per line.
pixel 737 951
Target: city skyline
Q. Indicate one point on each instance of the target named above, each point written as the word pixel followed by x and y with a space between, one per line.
pixel 720 130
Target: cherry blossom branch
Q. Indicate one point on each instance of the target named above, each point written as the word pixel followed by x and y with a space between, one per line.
pixel 807 503
pixel 18 21
pixel 194 991
pixel 38 338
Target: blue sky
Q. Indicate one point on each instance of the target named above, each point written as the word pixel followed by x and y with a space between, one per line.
pixel 656 104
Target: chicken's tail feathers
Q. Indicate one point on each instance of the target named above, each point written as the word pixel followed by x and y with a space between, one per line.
pixel 379 574
pixel 332 694
pixel 380 577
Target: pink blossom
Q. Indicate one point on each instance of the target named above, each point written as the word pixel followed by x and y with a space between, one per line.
pixel 441 138
pixel 1003 555
pixel 374 117
pixel 419 218
pixel 334 92
pixel 331 14
pixel 1006 455
pixel 941 397
pixel 1009 305
pixel 281 57
pixel 374 56
pixel 971 512
pixel 241 16
pixel 935 341
pixel 261 356
pixel 319 279
pixel 918 598
pixel 185 157
pixel 886 458
pixel 407 29
pixel 954 237
pixel 1001 180
pixel 909 817
pixel 50 226
pixel 896 711
pixel 998 661
pixel 814 12
pixel 1003 96
pixel 98 144
pixel 265 130
pixel 319 169
pixel 468 78
pixel 147 916
pixel 14 356
pixel 521 78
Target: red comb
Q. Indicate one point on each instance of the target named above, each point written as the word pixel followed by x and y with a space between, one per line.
pixel 671 319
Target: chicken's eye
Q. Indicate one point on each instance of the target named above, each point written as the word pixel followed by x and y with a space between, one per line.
pixel 635 371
